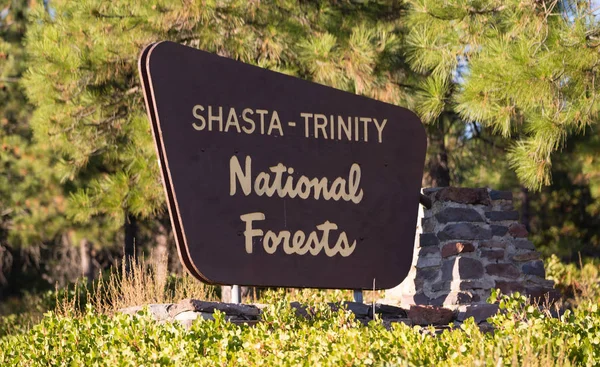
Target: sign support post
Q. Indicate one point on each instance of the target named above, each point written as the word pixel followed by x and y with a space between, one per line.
pixel 358 296
pixel 236 294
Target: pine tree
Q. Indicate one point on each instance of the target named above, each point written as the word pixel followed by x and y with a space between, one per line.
pixel 83 81
pixel 31 197
pixel 526 70
pixel 567 220
pixel 522 70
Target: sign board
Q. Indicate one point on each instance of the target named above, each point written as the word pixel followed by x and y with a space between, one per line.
pixel 276 181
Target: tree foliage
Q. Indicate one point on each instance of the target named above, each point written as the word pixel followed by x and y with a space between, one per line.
pixel 31 198
pixel 526 69
pixel 487 76
pixel 89 106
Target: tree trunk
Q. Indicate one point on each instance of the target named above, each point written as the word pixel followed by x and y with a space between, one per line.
pixel 437 170
pixel 161 253
pixel 5 264
pixel 86 261
pixel 130 244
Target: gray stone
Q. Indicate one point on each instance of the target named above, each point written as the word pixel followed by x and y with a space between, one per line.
pixel 534 268
pixel 542 282
pixel 523 244
pixel 500 195
pixel 500 216
pixel 419 282
pixel 508 287
pixel 455 298
pixel 209 307
pixel 187 324
pixel 458 215
pixel 468 268
pixel 428 224
pixel 159 311
pixel 192 315
pixel 428 239
pixel 498 230
pixel 526 256
pixel 463 195
pixel 503 270
pixel 428 261
pixel 492 244
pixel 441 286
pixel 357 308
pixel 475 298
pixel 429 250
pixel 478 312
pixel 428 274
pixel 469 284
pixel 494 254
pixel 414 299
pixel 504 206
pixel 431 190
pixel 464 231
pixel 389 311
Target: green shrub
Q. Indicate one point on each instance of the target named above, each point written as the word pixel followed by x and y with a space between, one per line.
pixel 575 281
pixel 80 334
pixel 524 335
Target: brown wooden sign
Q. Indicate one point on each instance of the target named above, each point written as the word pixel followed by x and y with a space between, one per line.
pixel 275 181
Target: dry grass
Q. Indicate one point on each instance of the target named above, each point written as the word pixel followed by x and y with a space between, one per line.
pixel 146 282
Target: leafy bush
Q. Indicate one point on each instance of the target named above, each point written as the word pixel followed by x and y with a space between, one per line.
pixel 91 333
pixel 524 335
pixel 11 325
pixel 577 282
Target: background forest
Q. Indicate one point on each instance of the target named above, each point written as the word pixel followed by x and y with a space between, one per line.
pixel 507 90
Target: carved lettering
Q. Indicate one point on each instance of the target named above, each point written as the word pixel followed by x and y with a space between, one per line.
pixel 297 243
pixel 271 183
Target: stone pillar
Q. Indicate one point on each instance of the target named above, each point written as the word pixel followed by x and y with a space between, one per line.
pixel 468 243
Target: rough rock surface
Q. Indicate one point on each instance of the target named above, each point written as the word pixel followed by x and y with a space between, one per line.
pixel 469 242
pixel 430 315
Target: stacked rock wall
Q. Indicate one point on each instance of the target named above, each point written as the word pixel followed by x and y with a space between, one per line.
pixel 468 243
